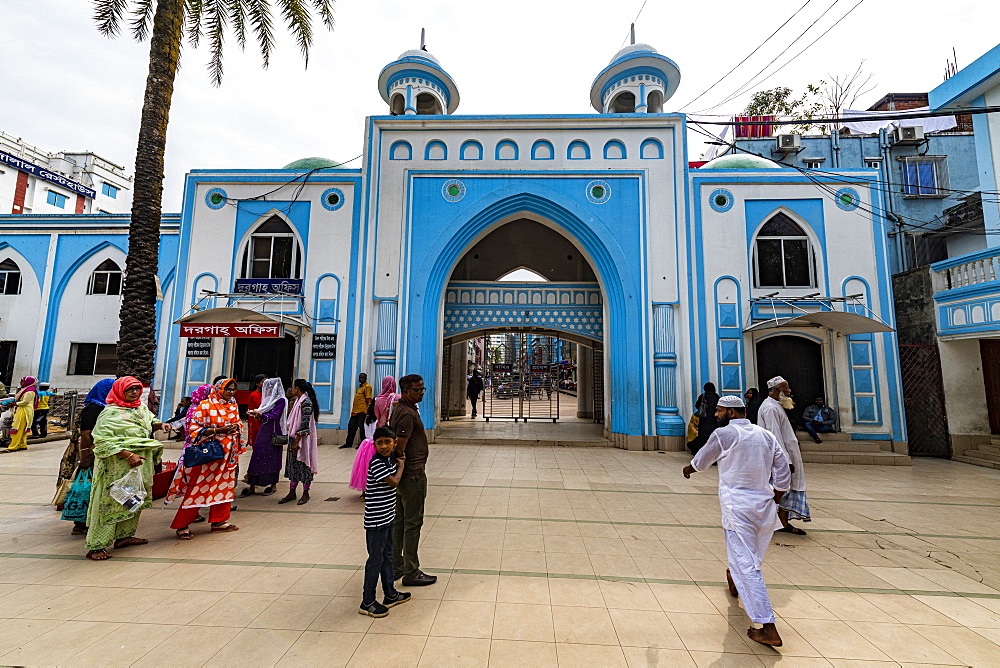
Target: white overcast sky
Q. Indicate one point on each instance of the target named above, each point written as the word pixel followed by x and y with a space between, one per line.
pixel 64 87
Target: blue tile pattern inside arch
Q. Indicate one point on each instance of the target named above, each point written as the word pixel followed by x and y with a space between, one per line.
pixel 577 309
pixel 337 199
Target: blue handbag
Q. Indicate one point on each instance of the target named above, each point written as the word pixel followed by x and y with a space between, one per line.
pixel 203 453
pixel 78 498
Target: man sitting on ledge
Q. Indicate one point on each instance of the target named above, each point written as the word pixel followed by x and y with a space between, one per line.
pixel 819 419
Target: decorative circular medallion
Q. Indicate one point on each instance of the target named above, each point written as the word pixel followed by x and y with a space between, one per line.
pixel 453 190
pixel 721 200
pixel 216 198
pixel 332 199
pixel 848 199
pixel 598 192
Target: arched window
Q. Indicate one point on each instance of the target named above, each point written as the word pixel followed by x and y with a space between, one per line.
pixel 506 150
pixel 428 105
pixel 624 103
pixel 651 149
pixel 401 150
pixel 436 150
pixel 472 150
pixel 542 150
pixel 106 279
pixel 614 150
pixel 397 104
pixel 578 150
pixel 783 255
pixel 654 102
pixel 272 252
pixel 10 278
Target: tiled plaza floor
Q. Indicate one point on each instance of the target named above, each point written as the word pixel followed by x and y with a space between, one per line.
pixel 546 556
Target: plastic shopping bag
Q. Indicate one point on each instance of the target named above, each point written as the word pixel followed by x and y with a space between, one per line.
pixel 78 498
pixel 129 490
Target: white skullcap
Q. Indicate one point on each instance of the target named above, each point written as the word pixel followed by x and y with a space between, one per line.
pixel 731 401
pixel 775 382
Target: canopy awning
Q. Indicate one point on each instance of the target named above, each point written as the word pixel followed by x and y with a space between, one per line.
pixel 198 323
pixel 839 321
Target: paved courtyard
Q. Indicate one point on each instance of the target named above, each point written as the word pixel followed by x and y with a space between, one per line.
pixel 545 556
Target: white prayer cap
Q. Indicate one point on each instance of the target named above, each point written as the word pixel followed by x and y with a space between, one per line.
pixel 731 401
pixel 775 382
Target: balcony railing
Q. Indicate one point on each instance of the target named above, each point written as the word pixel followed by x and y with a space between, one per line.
pixel 966 270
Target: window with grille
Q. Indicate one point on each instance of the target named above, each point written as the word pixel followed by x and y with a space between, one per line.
pixel 272 252
pixel 92 359
pixel 106 279
pixel 925 176
pixel 873 163
pixel 10 278
pixel 783 255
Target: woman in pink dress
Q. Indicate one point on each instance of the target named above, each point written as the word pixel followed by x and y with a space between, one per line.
pixel 378 416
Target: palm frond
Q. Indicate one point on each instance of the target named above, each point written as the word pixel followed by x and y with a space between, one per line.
pixel 142 19
pixel 325 9
pixel 299 23
pixel 238 17
pixel 108 15
pixel 215 29
pixel 195 12
pixel 263 27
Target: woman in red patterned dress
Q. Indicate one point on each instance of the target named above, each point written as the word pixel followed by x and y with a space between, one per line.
pixel 211 485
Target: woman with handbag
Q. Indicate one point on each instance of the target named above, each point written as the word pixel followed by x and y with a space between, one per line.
pixel 73 485
pixel 209 463
pixel 25 402
pixel 301 460
pixel 121 443
pixel 265 462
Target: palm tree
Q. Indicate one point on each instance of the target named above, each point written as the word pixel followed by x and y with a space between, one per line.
pixel 166 23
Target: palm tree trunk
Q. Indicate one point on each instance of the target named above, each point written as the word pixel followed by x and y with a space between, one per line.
pixel 137 333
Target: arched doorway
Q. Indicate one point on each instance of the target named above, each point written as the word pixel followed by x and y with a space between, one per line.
pixel 523 306
pixel 797 359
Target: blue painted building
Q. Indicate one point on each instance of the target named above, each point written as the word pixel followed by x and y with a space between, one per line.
pixel 665 277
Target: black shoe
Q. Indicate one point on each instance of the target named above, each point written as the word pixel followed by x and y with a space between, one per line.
pixel 401 597
pixel 345 445
pixel 419 579
pixel 374 609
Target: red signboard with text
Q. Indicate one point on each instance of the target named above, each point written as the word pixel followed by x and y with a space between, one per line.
pixel 242 329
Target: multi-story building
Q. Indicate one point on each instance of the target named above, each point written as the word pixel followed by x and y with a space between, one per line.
pixel 34 181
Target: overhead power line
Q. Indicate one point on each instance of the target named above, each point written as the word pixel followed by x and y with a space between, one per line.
pixel 759 46
pixel 972 111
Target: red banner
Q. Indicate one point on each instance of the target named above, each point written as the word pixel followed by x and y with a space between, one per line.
pixel 243 329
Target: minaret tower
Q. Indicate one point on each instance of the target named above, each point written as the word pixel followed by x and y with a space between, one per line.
pixel 416 84
pixel 638 80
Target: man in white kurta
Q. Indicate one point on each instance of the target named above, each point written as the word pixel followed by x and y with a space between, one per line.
pixel 773 418
pixel 753 473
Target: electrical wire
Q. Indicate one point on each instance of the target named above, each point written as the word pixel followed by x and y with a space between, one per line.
pixel 871 209
pixel 748 83
pixel 788 62
pixel 759 46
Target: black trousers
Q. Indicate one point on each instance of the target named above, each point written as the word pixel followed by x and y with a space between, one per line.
pixel 352 427
pixel 379 563
pixel 40 427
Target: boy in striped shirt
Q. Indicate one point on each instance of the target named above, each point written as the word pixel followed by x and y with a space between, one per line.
pixel 380 511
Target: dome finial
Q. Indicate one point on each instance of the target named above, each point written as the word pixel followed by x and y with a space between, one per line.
pixel 423 39
pixel 633 33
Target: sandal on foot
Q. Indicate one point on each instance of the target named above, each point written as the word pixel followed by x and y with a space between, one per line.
pixel 304 499
pixel 795 530
pixel 129 542
pixel 246 492
pixel 95 555
pixel 269 491
pixel 200 518
pixel 184 534
pixel 78 532
pixel 225 527
pixel 286 498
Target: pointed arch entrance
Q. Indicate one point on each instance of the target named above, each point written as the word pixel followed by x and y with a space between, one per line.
pixel 433 260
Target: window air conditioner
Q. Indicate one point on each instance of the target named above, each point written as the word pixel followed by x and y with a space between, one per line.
pixel 788 144
pixel 913 134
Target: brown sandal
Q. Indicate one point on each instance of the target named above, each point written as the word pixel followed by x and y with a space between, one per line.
pixel 184 534
pixel 129 542
pixel 225 527
pixel 92 555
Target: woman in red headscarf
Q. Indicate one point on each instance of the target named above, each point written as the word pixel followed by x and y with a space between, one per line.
pixel 25 403
pixel 210 485
pixel 121 443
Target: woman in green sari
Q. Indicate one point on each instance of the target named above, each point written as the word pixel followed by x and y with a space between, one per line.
pixel 121 442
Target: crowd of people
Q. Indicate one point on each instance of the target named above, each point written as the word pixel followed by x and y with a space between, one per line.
pixel 105 477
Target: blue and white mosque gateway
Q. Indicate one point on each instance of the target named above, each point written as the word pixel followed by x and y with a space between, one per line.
pixel 665 276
